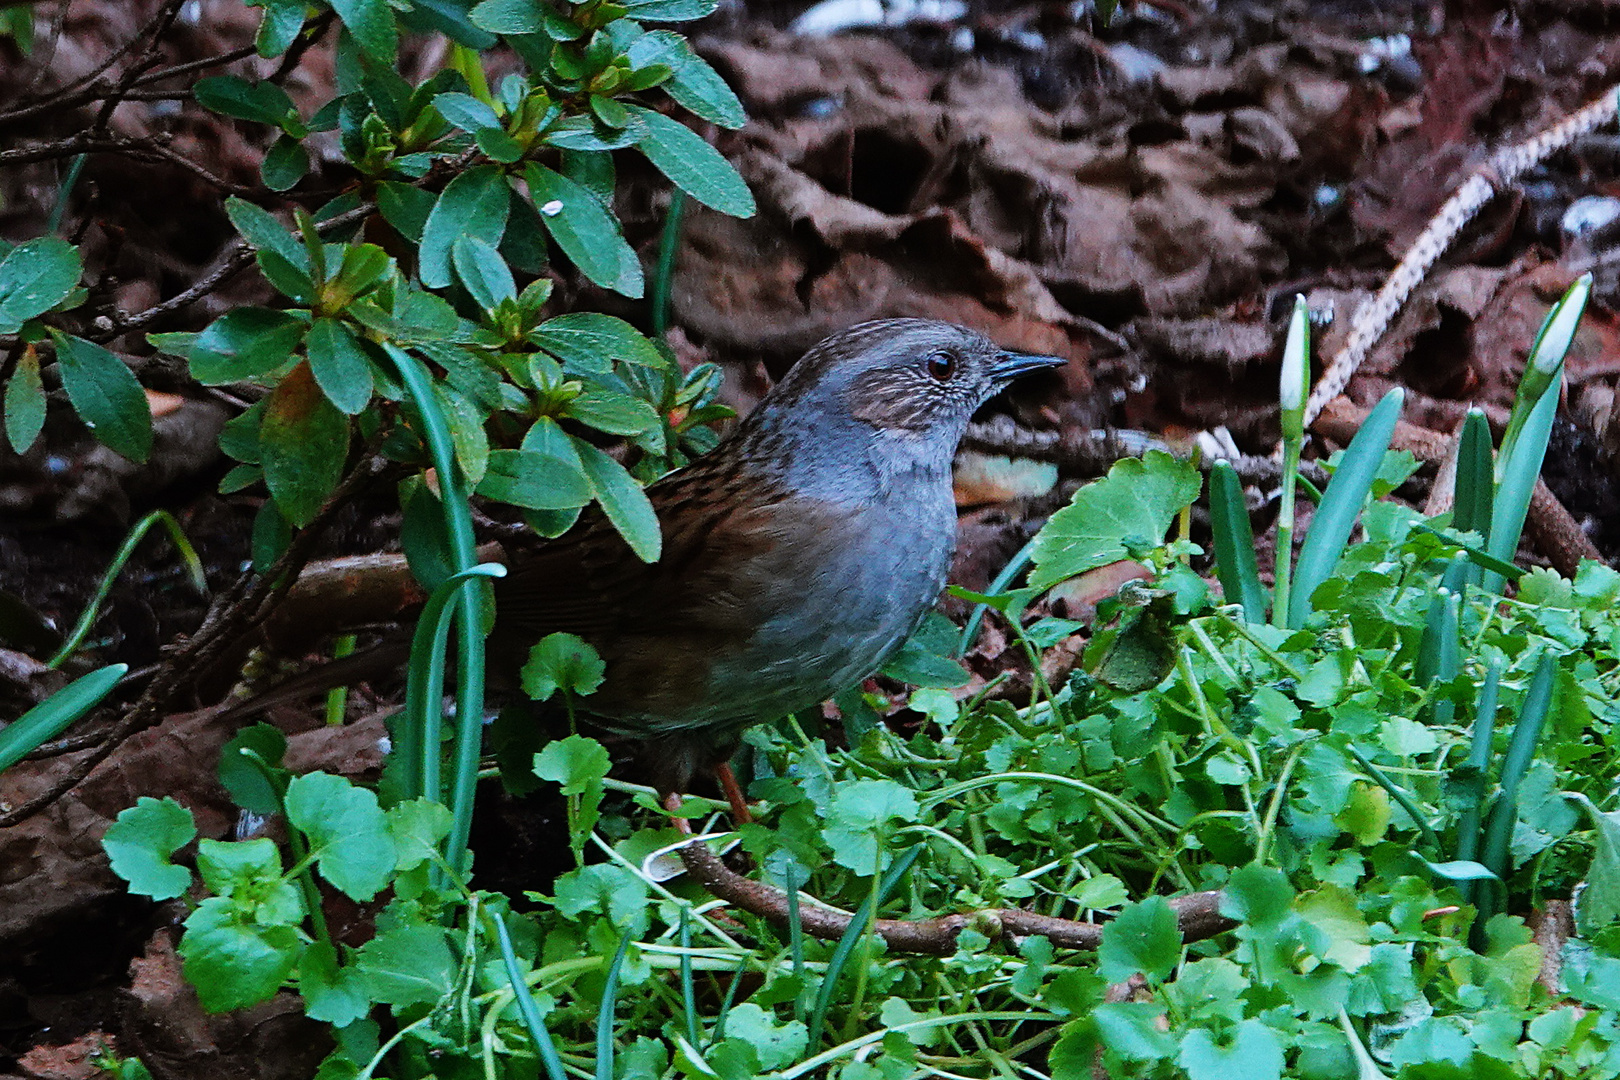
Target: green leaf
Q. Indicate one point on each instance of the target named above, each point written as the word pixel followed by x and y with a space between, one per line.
pixel 279 26
pixel 1341 505
pixel 141 843
pixel 284 164
pixel 248 872
pixel 586 341
pixel 417 827
pixel 1134 1030
pixel 623 500
pixel 693 165
pixel 372 24
pixel 52 716
pixel 604 889
pixel 234 963
pixel 858 822
pixel 271 536
pixel 466 112
pixel 535 480
pixel 1253 1052
pixel 244 343
pixel 106 395
pixel 1142 939
pixel 585 230
pixel 1600 902
pixel 776 1045
pixel 672 11
pixel 483 271
pixel 1259 896
pixel 260 229
pixel 473 204
pixel 693 83
pixel 332 994
pixel 35 277
pixel 25 403
pixel 575 762
pixel 1136 501
pixel 561 662
pixel 405 207
pixel 347 831
pixel 408 965
pixel 339 365
pixel 612 412
pixel 232 95
pixel 466 422
pixel 303 442
pixel 921 664
pixel 509 16
pixel 245 778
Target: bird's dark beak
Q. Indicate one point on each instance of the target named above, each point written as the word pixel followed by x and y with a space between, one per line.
pixel 1011 365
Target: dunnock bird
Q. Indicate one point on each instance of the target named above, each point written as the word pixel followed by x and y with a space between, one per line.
pixel 797 555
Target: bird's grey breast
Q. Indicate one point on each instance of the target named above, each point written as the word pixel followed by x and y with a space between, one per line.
pixel 849 584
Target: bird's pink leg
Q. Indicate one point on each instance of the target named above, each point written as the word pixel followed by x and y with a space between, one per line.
pixel 672 803
pixel 734 793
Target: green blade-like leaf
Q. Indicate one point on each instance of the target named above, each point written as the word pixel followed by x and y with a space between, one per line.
pixel 106 395
pixel 1471 506
pixel 1341 504
pixel 1235 564
pixel 52 716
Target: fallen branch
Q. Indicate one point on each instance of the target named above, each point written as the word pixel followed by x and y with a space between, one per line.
pixel 1197 915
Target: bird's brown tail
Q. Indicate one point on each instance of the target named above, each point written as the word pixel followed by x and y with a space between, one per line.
pixel 379 661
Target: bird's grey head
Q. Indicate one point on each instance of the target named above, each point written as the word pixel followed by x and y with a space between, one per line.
pixel 909 377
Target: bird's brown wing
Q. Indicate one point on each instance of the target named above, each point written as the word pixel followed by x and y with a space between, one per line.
pixel 588 582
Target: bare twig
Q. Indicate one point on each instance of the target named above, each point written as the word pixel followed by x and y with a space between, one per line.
pixel 241 255
pixel 1499 171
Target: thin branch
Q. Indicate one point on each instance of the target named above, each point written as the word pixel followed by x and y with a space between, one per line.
pixel 1197 914
pixel 83 89
pixel 248 602
pixel 241 255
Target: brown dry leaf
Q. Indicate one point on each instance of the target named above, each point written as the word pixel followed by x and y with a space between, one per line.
pixel 166 1027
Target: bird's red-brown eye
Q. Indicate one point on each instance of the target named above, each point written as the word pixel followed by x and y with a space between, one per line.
pixel 942 365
